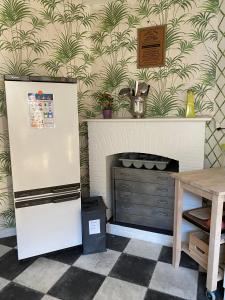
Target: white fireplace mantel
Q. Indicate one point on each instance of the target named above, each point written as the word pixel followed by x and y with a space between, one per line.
pixel 181 139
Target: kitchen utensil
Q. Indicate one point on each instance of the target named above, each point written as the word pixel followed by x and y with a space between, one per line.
pixel 142 88
pixel 136 88
pixel 125 92
pixel 145 94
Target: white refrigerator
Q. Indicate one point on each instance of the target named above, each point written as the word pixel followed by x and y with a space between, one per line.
pixel 44 149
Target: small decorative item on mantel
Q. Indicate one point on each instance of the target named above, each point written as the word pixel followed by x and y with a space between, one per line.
pixel 137 97
pixel 104 102
pixel 190 109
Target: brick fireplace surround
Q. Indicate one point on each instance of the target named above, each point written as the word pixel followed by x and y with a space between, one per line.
pixel 176 138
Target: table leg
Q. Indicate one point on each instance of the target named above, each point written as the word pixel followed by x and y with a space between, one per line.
pixel 177 225
pixel 214 243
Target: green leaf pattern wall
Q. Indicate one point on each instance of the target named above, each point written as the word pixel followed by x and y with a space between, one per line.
pixel 95 41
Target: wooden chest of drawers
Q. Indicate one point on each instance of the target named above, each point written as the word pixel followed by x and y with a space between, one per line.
pixel 143 197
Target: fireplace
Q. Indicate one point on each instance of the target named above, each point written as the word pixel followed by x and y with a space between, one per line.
pixel 179 139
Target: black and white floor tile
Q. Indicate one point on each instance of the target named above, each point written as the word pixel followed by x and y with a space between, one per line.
pixel 129 270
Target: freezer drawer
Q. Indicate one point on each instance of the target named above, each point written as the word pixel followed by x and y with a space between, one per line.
pixel 48 227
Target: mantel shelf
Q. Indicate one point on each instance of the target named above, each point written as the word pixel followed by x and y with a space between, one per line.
pixel 168 119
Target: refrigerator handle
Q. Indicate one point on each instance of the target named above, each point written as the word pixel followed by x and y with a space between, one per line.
pixel 59 200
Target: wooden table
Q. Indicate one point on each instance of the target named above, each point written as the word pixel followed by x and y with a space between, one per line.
pixel 210 184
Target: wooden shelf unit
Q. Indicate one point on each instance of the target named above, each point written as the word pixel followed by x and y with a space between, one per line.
pixel 197 222
pixel 185 248
pixel 210 184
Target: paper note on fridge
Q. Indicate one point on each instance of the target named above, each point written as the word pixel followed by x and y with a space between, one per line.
pixel 94 226
pixel 41 110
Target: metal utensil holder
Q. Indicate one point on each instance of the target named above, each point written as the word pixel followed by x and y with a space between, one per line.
pixel 138 106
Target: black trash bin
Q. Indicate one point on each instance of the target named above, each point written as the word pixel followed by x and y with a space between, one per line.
pixel 93 211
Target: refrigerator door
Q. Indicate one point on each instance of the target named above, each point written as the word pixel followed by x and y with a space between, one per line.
pixel 43 157
pixel 46 225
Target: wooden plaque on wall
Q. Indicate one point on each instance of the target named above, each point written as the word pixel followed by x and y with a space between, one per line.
pixel 151 46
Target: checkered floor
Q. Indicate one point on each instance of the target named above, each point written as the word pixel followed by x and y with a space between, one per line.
pixel 129 270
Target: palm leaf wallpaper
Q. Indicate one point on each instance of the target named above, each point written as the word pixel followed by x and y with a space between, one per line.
pixel 96 43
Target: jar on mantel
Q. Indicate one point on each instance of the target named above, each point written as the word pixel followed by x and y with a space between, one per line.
pixel 190 109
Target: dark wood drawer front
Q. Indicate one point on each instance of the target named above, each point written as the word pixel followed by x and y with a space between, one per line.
pixel 144 199
pixel 154 217
pixel 143 210
pixel 142 175
pixel 144 188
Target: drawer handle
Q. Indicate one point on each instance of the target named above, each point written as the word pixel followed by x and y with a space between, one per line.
pixel 163 214
pixel 162 190
pixel 200 250
pixel 125 194
pixel 124 187
pixel 163 201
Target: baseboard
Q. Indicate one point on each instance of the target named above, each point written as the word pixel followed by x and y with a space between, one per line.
pixel 128 232
pixel 158 238
pixel 6 232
